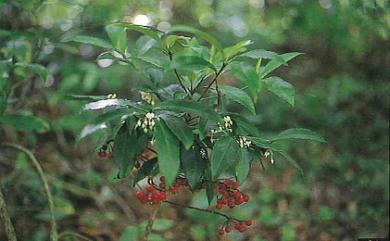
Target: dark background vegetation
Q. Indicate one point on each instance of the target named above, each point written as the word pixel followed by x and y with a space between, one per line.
pixel 342 93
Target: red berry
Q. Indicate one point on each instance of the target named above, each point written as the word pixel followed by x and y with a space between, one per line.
pixel 162 185
pixel 245 197
pixel 150 188
pixel 141 196
pixel 239 201
pixel 248 222
pixel 242 229
pixel 163 196
pixel 155 197
pixel 228 229
pixel 221 231
pixel 237 226
pixel 218 206
pixel 231 204
pixel 110 155
pixel 102 154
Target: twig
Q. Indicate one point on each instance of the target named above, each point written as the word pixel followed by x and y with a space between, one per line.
pixel 5 219
pixel 205 210
pixel 177 74
pixel 214 80
pixel 53 224
pixel 149 226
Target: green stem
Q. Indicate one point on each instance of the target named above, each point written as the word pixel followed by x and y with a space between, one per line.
pixel 214 80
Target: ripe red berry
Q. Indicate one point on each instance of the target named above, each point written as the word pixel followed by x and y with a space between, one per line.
pixel 155 197
pixel 237 226
pixel 248 222
pixel 218 206
pixel 150 188
pixel 231 204
pixel 102 154
pixel 245 197
pixel 141 196
pixel 163 196
pixel 228 229
pixel 242 229
pixel 221 231
pixel 110 155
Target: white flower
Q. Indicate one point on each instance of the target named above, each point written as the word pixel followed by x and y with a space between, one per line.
pixel 243 142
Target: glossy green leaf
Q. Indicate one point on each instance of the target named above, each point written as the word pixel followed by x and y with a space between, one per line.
pixel 191 63
pixel 142 29
pixel 193 165
pixel 291 161
pixel 145 170
pixel 277 62
pixel 203 35
pixel 91 128
pixel 189 107
pixel 280 88
pixel 239 96
pixel 236 49
pixel 243 165
pixel 25 122
pixel 248 76
pixel 118 36
pixel 37 69
pixel 88 40
pixel 168 152
pixel 225 153
pixel 180 129
pixel 299 133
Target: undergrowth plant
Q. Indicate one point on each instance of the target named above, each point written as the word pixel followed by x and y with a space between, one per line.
pixel 178 129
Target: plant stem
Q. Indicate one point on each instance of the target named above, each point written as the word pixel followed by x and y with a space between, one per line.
pixel 204 210
pixel 177 74
pixel 53 224
pixel 212 82
pixel 5 219
pixel 149 226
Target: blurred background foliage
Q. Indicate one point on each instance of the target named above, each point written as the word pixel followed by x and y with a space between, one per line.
pixel 342 85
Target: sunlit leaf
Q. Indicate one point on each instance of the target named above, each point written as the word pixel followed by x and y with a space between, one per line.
pixel 277 62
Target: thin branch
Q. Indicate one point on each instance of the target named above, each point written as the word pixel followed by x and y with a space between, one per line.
pixel 205 210
pixel 212 82
pixel 149 226
pixel 5 219
pixel 177 74
pixel 53 224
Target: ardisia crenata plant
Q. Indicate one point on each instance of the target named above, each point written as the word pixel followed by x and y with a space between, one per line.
pixel 181 131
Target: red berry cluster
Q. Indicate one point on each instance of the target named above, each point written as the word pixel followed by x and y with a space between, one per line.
pixel 151 195
pixel 230 195
pixel 156 194
pixel 240 226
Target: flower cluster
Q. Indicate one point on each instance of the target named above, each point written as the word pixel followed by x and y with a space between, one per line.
pixel 243 142
pixel 147 123
pixel 227 126
pixel 240 226
pixel 229 194
pixel 269 154
pixel 147 97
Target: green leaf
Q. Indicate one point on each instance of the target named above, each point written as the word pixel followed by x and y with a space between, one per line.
pixel 248 76
pixel 25 122
pixel 280 88
pixel 298 133
pixel 118 36
pixel 91 128
pixel 112 115
pixel 244 126
pixel 87 97
pixel 172 39
pixel 193 165
pixel 145 170
pixel 37 69
pixel 168 152
pixel 243 165
pixel 203 35
pixel 189 107
pixel 191 63
pixel 225 153
pixel 238 96
pixel 236 49
pixel 180 129
pixel 131 233
pixel 291 161
pixel 259 54
pixel 127 145
pixel 276 62
pixel 162 224
pixel 142 29
pixel 101 104
pixel 88 40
